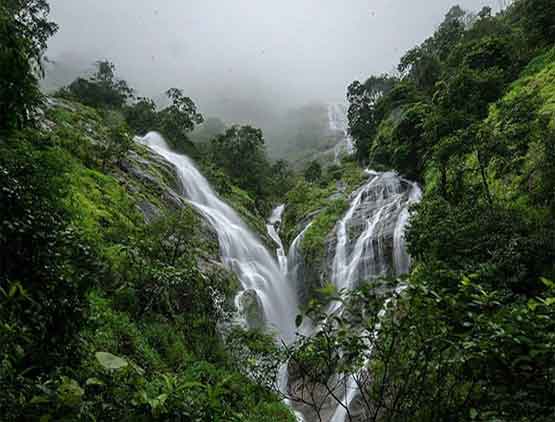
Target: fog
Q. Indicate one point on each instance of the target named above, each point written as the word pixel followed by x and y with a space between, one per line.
pixel 243 59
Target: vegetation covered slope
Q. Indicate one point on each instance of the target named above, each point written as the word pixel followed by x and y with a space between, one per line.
pixel 471 116
pixel 113 302
pixel 104 316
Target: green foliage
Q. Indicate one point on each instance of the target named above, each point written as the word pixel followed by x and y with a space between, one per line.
pixel 363 115
pixel 103 317
pixel 536 19
pixel 423 63
pixel 208 130
pixel 314 238
pixel 241 148
pixel 109 95
pixel 240 154
pixel 141 116
pixel 24 31
pixel 400 142
pixel 102 90
pixel 313 172
pixel 150 352
pixel 281 178
pixel 448 84
pixel 178 119
pixel 119 140
pixel 434 351
pixel 46 266
pixel 308 199
pixel 470 336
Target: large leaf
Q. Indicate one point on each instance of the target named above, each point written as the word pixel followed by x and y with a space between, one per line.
pixel 110 361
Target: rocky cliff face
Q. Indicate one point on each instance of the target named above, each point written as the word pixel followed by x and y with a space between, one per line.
pixel 379 202
pixel 380 205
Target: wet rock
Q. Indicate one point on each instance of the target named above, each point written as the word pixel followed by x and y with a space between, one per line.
pixel 150 212
pixel 250 306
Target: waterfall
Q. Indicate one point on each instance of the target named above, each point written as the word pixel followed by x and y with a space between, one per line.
pixel 295 262
pixel 337 118
pixel 291 273
pixel 379 210
pixel 370 243
pixel 274 223
pixel 241 251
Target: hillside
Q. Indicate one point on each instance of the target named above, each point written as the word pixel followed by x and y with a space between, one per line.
pixel 139 331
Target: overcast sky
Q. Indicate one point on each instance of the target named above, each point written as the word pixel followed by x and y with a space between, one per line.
pixel 221 52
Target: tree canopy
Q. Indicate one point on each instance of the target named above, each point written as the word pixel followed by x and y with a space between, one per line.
pixel 24 32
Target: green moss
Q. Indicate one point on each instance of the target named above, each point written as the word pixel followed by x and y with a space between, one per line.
pixel 100 205
pixel 308 198
pixel 313 244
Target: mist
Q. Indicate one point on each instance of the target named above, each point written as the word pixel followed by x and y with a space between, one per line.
pixel 243 60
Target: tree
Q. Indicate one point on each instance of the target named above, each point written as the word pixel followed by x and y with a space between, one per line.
pixel 313 172
pixel 281 178
pixel 240 153
pixel 422 64
pixel 142 116
pixel 537 19
pixel 179 119
pixel 208 130
pixel 102 90
pixel 403 146
pixel 24 31
pixel 362 114
pixel 118 141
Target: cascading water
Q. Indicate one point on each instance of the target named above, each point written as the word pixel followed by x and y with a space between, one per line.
pixel 295 262
pixel 337 118
pixel 369 243
pixel 241 250
pixel 273 222
pixel 379 212
pixel 272 228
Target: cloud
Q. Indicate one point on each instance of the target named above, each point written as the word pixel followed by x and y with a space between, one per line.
pixel 229 53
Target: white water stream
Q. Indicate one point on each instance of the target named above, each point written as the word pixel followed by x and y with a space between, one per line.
pixel 370 241
pixel 240 249
pixel 272 228
pixel 384 203
pixel 337 118
pixel 370 244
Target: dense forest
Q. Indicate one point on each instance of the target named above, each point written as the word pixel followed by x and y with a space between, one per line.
pixel 115 303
